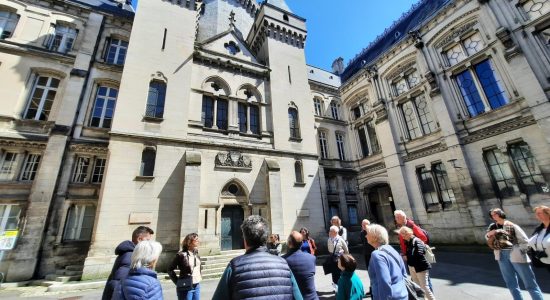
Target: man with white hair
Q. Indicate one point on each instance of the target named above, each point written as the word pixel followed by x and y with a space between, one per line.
pixel 402 220
pixel 336 246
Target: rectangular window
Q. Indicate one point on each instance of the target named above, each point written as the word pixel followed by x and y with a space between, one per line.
pixel 104 107
pixel 7 166
pixel 536 8
pixel 352 214
pixel 117 52
pixel 357 112
pixel 443 184
pixel 411 122
pixel 373 137
pixel 501 173
pixel 293 123
pixel 492 87
pixel 221 120
pixel 331 185
pixel 400 87
pixel 254 119
pixel 9 217
pixel 318 107
pixel 334 110
pixel 155 99
pixel 424 115
pixel 30 167
pixel 80 173
pixel 80 222
pixel 243 118
pixel 63 39
pixel 340 145
pixel 363 142
pixel 349 185
pixel 527 169
pixel 8 22
pixel 99 169
pixel 323 144
pixel 470 94
pixel 207 112
pixel 334 209
pixel 41 98
pixel 428 187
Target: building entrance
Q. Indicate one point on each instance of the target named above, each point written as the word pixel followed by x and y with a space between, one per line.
pixel 381 206
pixel 231 235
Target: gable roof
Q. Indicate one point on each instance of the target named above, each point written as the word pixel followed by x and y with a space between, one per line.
pixel 215 44
pixel 119 8
pixel 410 21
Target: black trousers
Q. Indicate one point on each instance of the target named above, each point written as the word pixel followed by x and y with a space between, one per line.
pixel 336 275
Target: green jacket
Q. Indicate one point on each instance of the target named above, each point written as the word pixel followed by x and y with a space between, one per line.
pixel 350 287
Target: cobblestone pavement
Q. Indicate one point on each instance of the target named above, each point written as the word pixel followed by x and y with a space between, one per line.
pixel 455 276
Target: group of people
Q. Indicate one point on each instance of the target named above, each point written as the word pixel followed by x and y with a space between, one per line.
pixel 262 272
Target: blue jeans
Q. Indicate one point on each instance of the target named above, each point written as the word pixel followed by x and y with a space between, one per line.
pixel 510 272
pixel 192 294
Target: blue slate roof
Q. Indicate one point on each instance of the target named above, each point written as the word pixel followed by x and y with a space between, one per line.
pixel 109 6
pixel 410 21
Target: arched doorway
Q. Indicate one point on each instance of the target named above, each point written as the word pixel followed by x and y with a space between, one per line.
pixel 381 205
pixel 234 198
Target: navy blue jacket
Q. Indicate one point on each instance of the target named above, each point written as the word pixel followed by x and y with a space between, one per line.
pixel 120 269
pixel 302 265
pixel 141 284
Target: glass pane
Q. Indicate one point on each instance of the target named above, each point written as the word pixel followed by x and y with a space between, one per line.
pixel 413 79
pixel 410 120
pixel 491 85
pixel 536 8
pixel 470 94
pixel 242 118
pixel 455 55
pixel 222 114
pixel 473 44
pixel 207 112
pixel 363 142
pixel 352 214
pixel 373 138
pixel 428 125
pixel 254 119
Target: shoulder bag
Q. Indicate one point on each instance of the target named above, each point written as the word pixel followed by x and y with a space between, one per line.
pixel 414 290
pixel 185 282
pixel 330 263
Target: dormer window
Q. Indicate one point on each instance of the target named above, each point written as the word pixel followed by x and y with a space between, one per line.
pixel 8 22
pixel 63 39
pixel 465 48
pixel 117 52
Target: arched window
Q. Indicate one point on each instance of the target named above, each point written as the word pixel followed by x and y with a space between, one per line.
pixel 148 157
pixel 334 110
pixel 155 99
pixel 323 146
pixel 298 172
pixel 293 123
pixel 318 107
pixel 8 22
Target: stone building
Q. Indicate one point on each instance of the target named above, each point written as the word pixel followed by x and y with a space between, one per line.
pixel 187 116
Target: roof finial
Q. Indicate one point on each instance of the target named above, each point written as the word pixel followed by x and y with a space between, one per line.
pixel 232 20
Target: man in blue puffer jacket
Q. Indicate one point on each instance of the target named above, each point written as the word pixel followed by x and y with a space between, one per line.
pixel 142 282
pixel 122 263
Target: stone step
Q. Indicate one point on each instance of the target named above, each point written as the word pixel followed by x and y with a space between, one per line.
pixel 48 283
pixel 62 278
pixel 214 265
pixel 221 257
pixel 68 273
pixel 75 268
pixel 213 271
pixel 212 276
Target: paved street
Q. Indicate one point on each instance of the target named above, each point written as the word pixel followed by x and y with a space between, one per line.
pixel 455 276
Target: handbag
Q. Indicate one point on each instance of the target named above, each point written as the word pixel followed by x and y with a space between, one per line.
pixel 185 283
pixel 330 263
pixel 414 291
pixel 535 257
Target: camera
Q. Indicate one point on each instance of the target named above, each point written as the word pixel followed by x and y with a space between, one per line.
pixel 539 254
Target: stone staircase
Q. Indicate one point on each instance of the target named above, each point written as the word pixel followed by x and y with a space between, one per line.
pixel 214 266
pixel 70 273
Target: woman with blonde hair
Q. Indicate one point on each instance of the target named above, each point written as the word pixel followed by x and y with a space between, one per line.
pixel 189 264
pixel 416 260
pixel 539 243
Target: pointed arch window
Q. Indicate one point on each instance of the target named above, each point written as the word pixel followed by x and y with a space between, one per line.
pixel 148 157
pixel 298 172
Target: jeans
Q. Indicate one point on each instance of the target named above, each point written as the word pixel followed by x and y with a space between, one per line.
pixel 510 272
pixel 192 294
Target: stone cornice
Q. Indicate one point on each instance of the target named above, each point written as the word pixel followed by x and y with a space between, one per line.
pixel 500 128
pixel 89 148
pixel 26 144
pixel 433 149
pixel 321 87
pixel 373 168
pixel 231 64
pixel 21 49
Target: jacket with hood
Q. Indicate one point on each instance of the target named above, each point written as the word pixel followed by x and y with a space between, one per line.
pixel 120 269
pixel 141 284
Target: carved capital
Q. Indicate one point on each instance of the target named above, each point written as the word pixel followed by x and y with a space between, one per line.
pixel 430 77
pixel 233 160
pixel 510 46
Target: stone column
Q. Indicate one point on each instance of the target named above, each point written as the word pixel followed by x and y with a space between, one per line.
pixel 275 195
pixel 25 255
pixel 191 194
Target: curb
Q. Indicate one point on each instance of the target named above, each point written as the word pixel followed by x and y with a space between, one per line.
pixel 66 287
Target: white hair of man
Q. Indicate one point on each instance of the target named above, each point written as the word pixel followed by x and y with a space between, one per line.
pixel 145 254
pixel 334 229
pixel 378 232
pixel 366 221
pixel 399 213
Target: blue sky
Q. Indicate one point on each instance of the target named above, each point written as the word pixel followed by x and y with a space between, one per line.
pixel 344 27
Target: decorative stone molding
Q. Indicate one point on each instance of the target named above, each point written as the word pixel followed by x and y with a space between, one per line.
pixel 159 76
pixel 381 112
pixel 89 148
pixel 233 160
pixel 193 158
pixel 79 73
pixel 497 129
pixel 434 87
pixel 373 168
pixel 440 147
pixel 400 69
pixel 23 144
pixel 455 33
pixel 415 35
pixel 511 49
pixel 272 164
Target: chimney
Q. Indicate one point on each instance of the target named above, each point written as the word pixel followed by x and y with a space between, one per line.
pixel 338 66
